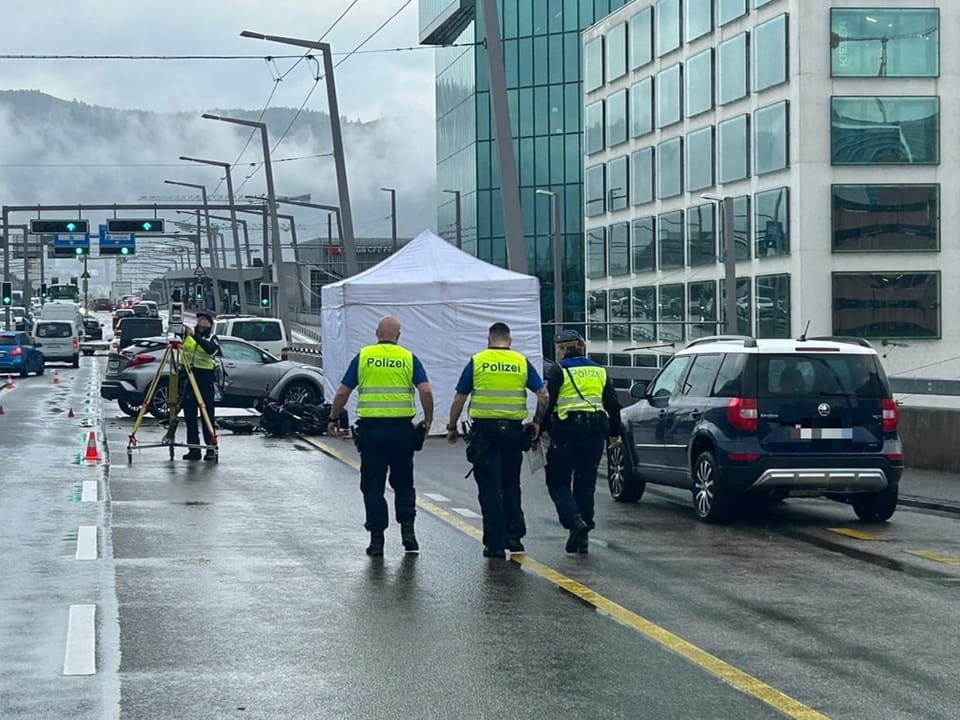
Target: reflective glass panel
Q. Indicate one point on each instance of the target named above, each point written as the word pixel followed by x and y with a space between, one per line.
pixel 667 17
pixel 771 137
pixel 641 107
pixel 702 307
pixel 597 315
pixel 887 305
pixel 733 153
pixel 644 245
pixel 744 289
pixel 770 53
pixel 617 118
pixel 642 178
pixel 885 130
pixel 761 3
pixel 596 252
pixel 886 218
pixel 728 10
pixel 701 235
pixel 700 159
pixel 595 204
pixel 620 318
pixel 644 308
pixel 773 306
pixel 618 190
pixel 732 69
pixel 669 108
pixel 593 64
pixel 672 312
pixel 641 38
pixel 885 42
pixel 670 168
pixel 618 237
pixel 670 240
pixel 699 18
pixel 772 222
pixel 698 83
pixel 616 52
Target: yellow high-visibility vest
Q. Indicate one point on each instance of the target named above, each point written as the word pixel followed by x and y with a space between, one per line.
pixel 591 380
pixel 499 385
pixel 195 356
pixel 386 382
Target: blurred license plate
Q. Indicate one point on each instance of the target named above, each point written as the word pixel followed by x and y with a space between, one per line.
pixel 823 433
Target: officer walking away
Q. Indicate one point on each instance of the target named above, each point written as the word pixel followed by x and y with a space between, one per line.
pixel 583 411
pixel 385 375
pixel 200 349
pixel 498 378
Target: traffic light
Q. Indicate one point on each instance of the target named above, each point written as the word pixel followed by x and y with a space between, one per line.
pixel 59 227
pixel 264 295
pixel 7 294
pixel 140 226
pixel 199 292
pixel 43 290
pixel 124 248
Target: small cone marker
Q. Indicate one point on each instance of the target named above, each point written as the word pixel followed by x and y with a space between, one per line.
pixel 9 381
pixel 56 377
pixel 92 454
pixel 71 414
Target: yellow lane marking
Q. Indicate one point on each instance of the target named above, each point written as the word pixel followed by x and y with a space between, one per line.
pixel 936 557
pixel 711 663
pixel 855 534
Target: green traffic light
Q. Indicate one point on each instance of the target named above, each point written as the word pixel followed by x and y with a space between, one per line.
pixel 79 251
pixel 264 302
pixel 124 251
pixel 71 226
pixel 147 226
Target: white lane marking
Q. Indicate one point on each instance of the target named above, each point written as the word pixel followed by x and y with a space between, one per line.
pixel 87 542
pixel 437 498
pixel 80 655
pixel 465 512
pixel 89 492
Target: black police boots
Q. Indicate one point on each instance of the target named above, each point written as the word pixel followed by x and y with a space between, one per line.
pixel 499 554
pixel 514 545
pixel 375 548
pixel 408 538
pixel 578 536
pixel 192 455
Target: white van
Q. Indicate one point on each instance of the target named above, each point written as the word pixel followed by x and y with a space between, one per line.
pixel 63 311
pixel 58 340
pixel 266 333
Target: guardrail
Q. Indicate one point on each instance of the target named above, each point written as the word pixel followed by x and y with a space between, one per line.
pixel 309 332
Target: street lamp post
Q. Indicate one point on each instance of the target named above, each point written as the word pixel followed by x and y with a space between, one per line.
pixel 211 243
pixel 458 220
pixel 557 258
pixel 729 261
pixel 393 215
pixel 233 223
pixel 283 310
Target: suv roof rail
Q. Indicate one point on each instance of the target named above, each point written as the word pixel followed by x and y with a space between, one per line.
pixel 745 339
pixel 843 339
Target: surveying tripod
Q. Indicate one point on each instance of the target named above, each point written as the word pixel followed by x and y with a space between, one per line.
pixel 171 362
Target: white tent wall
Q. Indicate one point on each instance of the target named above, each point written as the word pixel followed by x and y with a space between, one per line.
pixel 445 300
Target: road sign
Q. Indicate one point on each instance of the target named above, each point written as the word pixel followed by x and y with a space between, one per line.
pixel 141 226
pixel 59 227
pixel 85 276
pixel 71 245
pixel 121 244
pixel 200 272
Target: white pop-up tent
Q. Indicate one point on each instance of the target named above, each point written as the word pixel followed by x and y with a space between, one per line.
pixel 445 300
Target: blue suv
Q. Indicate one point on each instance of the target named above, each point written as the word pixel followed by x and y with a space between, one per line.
pixel 732 416
pixel 19 354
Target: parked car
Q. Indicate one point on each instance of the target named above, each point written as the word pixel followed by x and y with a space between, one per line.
pixel 246 374
pixel 60 340
pixel 729 417
pixel 133 328
pixel 103 304
pixel 268 334
pixel 119 314
pixel 146 307
pixel 19 354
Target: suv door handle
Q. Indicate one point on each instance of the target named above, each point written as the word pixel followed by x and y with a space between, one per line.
pixel 696 414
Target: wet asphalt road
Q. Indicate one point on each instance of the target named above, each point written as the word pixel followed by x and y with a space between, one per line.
pixel 241 590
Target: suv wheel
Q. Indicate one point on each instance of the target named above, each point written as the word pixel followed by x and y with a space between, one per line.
pixel 128 408
pixel 625 486
pixel 710 502
pixel 158 405
pixel 876 507
pixel 300 392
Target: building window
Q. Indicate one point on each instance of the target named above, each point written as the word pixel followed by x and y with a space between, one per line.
pixel 741 229
pixel 619 239
pixel 669 107
pixel 595 200
pixel 885 42
pixel 700 159
pixel 887 305
pixel 618 190
pixel 593 128
pixel 616 52
pixel 730 10
pixel 744 305
pixel 641 38
pixel 886 218
pixel 771 138
pixel 593 64
pixel 761 3
pixel 732 69
pixel 620 324
pixel 701 235
pixel 619 359
pixel 699 19
pixel 670 168
pixel 597 315
pixel 670 237
pixel 772 222
pixel 643 313
pixel 770 53
pixel 596 252
pixel 733 152
pixel 668 26
pixel 644 244
pixel 702 307
pixel 642 180
pixel 617 118
pixel 773 306
pixel 641 107
pixel 885 130
pixel 672 312
pixel 698 83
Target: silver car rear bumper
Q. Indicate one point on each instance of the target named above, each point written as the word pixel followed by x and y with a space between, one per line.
pixel 853 479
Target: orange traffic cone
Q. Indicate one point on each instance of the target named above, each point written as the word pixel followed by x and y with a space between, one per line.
pixel 70 414
pixel 9 381
pixel 92 454
pixel 56 377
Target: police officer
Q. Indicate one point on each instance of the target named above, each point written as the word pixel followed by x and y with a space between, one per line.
pixel 583 411
pixel 200 348
pixel 498 378
pixel 386 375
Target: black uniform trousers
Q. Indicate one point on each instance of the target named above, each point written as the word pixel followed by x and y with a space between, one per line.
pixel 206 380
pixel 386 445
pixel 497 456
pixel 576 447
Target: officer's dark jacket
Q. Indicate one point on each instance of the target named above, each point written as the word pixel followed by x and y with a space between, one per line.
pixel 611 403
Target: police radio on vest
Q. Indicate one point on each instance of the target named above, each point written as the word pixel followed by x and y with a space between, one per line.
pixel 386 362
pixel 500 367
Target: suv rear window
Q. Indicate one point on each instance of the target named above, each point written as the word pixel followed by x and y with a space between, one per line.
pixel 55 330
pixel 822 375
pixel 8 340
pixel 256 331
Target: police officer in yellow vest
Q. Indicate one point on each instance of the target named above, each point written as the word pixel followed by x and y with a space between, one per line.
pixel 200 349
pixel 386 375
pixel 498 379
pixel 584 410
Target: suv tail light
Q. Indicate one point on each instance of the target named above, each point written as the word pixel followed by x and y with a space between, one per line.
pixel 17 351
pixel 76 344
pixel 891 415
pixel 141 359
pixel 742 414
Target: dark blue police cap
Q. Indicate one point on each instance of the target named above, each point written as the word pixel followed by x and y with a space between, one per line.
pixel 565 336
